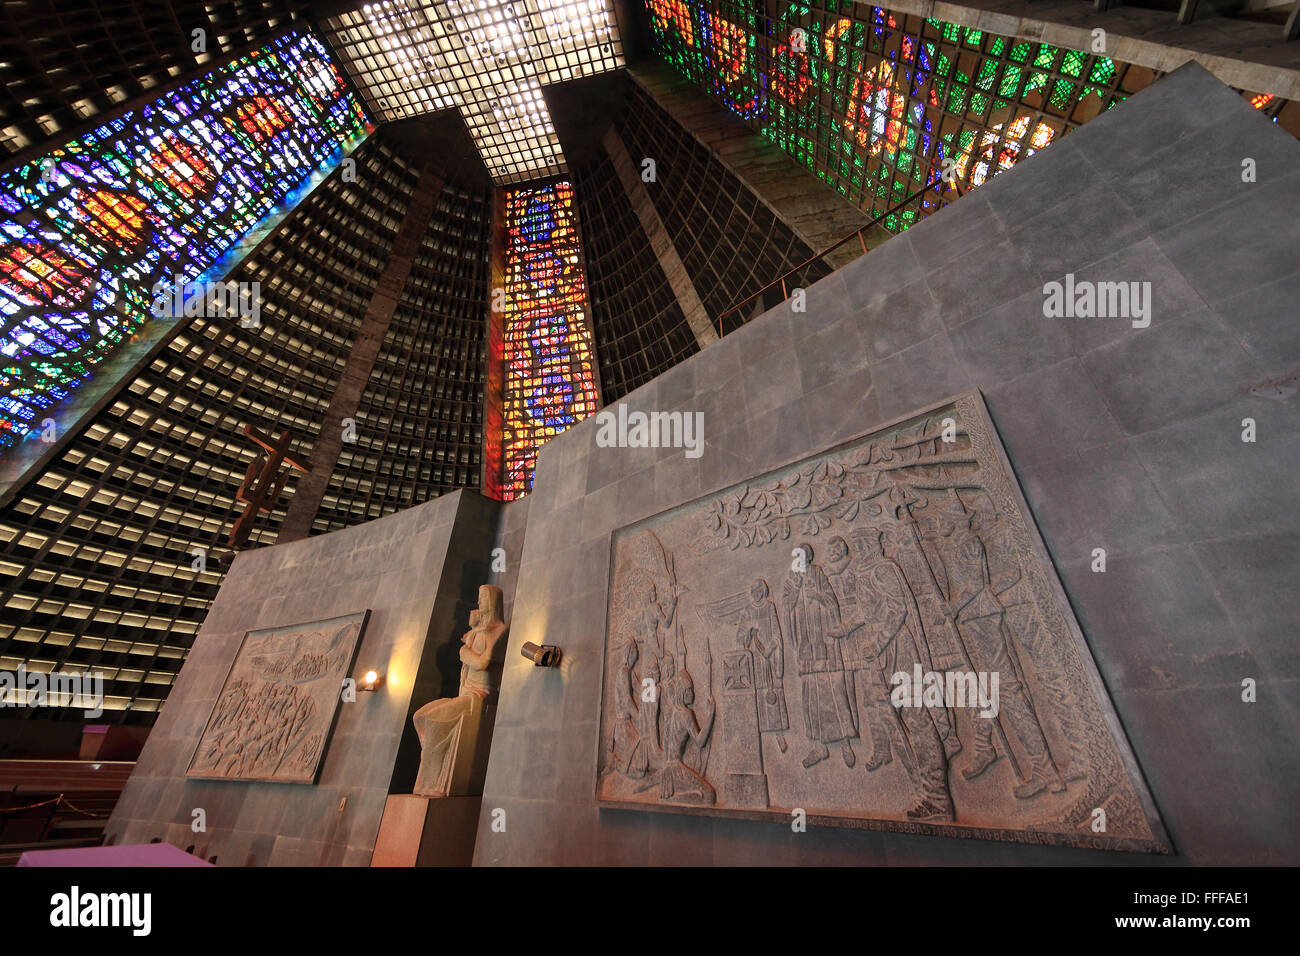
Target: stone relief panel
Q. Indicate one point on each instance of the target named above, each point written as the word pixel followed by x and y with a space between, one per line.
pixel 876 637
pixel 275 712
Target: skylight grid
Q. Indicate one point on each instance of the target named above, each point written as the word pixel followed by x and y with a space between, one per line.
pixel 514 135
pixel 488 58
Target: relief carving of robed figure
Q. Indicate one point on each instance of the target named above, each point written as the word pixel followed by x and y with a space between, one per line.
pixel 449 728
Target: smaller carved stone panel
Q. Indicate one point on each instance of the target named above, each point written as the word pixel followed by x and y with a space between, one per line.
pixel 874 637
pixel 275 712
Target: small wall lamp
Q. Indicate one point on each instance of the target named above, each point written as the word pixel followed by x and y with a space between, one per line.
pixel 371 680
pixel 544 655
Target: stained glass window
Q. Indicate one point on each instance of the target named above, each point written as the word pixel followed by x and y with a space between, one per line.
pixel 93 229
pixel 878 104
pixel 549 383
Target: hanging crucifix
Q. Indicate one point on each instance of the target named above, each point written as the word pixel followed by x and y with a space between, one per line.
pixel 264 481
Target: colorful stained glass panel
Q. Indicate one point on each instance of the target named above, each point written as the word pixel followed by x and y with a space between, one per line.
pixel 549 383
pixel 91 230
pixel 879 105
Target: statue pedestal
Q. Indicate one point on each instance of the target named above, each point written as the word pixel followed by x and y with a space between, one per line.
pixel 427 831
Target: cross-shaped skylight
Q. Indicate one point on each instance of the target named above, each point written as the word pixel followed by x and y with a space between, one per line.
pixel 487 58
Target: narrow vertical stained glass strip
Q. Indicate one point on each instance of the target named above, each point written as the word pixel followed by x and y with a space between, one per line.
pixel 92 230
pixel 550 384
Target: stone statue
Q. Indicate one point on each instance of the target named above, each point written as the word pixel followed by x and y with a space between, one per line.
pixel 449 728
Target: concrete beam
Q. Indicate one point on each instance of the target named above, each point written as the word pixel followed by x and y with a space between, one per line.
pixel 361 360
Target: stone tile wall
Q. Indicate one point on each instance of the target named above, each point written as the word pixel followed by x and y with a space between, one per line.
pixel 1122 438
pixel 417 571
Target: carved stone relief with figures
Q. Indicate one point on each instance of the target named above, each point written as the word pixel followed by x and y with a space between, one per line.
pixel 273 717
pixel 873 637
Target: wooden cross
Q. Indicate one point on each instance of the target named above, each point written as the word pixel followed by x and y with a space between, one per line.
pixel 264 481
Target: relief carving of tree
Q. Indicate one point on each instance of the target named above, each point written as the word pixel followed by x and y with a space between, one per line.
pixel 807 501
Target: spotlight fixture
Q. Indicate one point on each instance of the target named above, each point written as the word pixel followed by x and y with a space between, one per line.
pixel 371 680
pixel 545 655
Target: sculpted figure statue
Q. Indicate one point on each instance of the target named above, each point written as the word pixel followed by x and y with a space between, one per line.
pixel 449 728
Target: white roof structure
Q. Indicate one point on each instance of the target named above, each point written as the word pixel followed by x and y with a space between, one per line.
pixel 487 58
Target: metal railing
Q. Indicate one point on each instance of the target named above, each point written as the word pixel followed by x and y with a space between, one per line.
pixel 857 233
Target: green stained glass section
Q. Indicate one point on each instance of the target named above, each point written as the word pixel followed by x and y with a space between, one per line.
pixel 879 104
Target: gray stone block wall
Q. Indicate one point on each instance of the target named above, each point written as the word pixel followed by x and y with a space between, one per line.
pixel 1124 439
pixel 416 571
pixel 510 538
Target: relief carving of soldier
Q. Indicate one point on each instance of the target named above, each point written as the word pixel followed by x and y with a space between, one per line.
pixel 980 619
pixel 812 623
pixel 861 673
pixel 891 639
